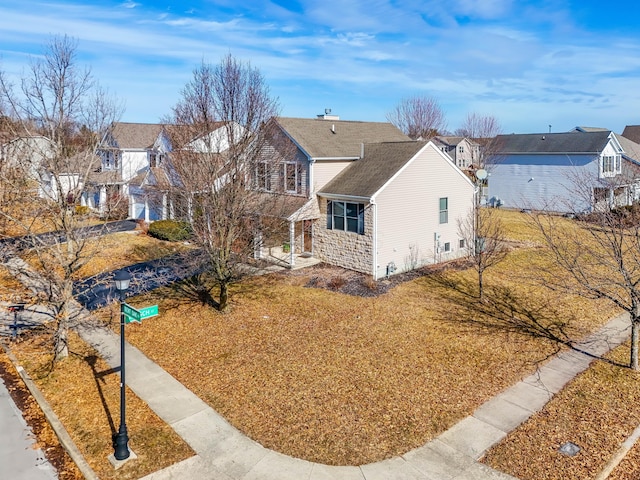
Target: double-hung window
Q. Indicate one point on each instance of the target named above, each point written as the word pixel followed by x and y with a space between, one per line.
pixel 611 165
pixel 263 176
pixel 290 177
pixel 444 210
pixel 345 216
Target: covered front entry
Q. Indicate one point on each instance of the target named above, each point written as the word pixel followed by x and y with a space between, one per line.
pixel 294 238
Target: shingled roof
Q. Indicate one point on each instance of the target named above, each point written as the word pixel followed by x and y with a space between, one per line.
pixel 363 178
pixel 571 142
pixel 135 135
pixel 632 132
pixel 631 149
pixel 321 138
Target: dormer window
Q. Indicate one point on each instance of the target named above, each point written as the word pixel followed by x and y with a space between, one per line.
pixel 155 159
pixel 610 165
pixel 111 160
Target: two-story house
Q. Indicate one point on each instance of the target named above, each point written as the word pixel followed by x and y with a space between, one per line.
pixel 369 198
pixel 127 154
pixel 564 172
pixel 463 151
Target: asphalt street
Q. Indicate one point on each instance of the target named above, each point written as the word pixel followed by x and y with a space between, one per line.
pixel 97 291
pixel 48 238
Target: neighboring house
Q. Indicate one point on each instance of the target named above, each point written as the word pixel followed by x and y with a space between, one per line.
pixel 128 152
pixel 136 163
pixel 36 155
pixel 31 154
pixel 564 172
pixel 463 151
pixel 362 195
pixel 632 132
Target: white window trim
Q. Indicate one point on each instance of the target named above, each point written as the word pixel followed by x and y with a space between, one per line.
pixel 286 178
pixel 263 181
pixel 445 211
pixel 615 165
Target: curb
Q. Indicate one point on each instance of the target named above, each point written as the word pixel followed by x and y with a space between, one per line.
pixel 62 434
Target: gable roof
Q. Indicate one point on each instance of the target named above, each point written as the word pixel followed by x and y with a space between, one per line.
pixel 320 138
pixel 135 135
pixel 363 178
pixel 590 129
pixel 631 149
pixel 448 140
pixel 632 132
pixel 553 143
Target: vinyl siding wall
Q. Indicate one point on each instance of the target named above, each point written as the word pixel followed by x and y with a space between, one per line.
pixel 325 170
pixel 542 182
pixel 408 213
pixel 133 162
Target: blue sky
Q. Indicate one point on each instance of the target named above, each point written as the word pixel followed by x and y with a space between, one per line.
pixel 531 64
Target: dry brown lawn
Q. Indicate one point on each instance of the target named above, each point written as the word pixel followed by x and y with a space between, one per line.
pixel 348 380
pixel 10 289
pixel 85 394
pixel 597 411
pixel 113 251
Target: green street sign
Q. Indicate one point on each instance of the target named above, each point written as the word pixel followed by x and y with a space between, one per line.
pixel 132 315
pixel 135 315
pixel 147 312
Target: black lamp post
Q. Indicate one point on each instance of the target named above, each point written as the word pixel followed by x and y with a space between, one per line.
pixel 121 439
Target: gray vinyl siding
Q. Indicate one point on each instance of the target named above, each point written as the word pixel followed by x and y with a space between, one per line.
pixel 543 182
pixel 408 213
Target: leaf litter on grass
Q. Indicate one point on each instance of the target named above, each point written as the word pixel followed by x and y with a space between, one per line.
pixel 333 378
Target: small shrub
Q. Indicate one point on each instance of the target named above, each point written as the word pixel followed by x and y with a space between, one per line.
pixel 336 283
pixel 170 230
pixel 82 210
pixel 370 283
pixel 142 226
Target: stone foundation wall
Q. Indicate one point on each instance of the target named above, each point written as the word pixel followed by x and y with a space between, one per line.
pixel 344 249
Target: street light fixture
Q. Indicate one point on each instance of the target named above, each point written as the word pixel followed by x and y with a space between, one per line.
pixel 121 439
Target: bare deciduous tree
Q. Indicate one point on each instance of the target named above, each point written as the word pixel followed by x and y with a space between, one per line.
pixel 600 254
pixel 478 126
pixel 482 129
pixel 485 237
pixel 58 115
pixel 419 117
pixel 219 130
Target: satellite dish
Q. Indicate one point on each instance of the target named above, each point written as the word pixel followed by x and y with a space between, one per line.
pixel 481 174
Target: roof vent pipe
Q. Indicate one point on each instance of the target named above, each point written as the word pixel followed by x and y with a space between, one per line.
pixel 362 150
pixel 333 128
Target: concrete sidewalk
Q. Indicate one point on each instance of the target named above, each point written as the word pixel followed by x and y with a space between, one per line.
pixel 20 457
pixel 223 453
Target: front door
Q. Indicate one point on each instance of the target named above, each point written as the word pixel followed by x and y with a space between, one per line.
pixel 307 232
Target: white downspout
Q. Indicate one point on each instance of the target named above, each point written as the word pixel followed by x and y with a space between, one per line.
pixel 292 238
pixel 311 190
pixel 374 206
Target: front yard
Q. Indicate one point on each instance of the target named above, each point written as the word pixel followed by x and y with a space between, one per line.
pixel 351 379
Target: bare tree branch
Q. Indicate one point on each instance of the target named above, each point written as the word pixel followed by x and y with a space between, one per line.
pixel 419 117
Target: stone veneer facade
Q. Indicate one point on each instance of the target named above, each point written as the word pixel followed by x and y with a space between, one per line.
pixel 344 249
